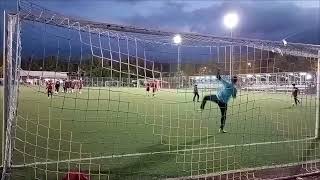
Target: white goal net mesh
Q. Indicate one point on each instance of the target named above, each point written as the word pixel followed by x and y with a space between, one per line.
pixel 103 101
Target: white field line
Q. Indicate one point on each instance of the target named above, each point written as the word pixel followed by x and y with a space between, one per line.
pixel 159 152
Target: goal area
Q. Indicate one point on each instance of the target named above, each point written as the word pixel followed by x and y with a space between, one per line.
pixel 112 126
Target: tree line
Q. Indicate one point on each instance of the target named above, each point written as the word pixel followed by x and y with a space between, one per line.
pixel 95 67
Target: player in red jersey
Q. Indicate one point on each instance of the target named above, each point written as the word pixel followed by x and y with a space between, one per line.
pixel 72 86
pixel 49 88
pixel 76 175
pixel 154 88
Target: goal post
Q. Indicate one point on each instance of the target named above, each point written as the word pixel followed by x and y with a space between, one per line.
pixel 11 83
pixel 4 116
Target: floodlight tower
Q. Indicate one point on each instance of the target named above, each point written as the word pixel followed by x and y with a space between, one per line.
pixel 231 20
pixel 177 41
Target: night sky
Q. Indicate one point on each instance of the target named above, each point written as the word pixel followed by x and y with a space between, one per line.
pixel 298 21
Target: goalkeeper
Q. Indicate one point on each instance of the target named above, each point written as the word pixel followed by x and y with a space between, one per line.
pixel 227 90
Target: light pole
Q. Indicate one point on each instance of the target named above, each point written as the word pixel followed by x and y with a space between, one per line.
pixel 177 41
pixel 293 71
pixel 231 20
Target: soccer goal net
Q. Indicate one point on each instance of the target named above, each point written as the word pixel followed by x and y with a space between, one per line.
pixel 110 128
pixel 112 84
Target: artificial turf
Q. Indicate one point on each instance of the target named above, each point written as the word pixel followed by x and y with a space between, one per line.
pixel 142 137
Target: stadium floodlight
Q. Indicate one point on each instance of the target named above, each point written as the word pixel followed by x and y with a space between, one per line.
pixel 284 42
pixel 231 20
pixel 302 73
pixel 308 76
pixel 177 39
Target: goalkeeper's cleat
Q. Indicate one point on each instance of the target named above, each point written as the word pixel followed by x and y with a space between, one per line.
pixel 222 131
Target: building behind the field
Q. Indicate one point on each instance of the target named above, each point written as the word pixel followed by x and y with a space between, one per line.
pixel 39 77
pixel 274 82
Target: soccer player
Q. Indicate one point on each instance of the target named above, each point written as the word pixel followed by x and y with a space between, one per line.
pixel 72 86
pixel 65 86
pixel 295 93
pixel 196 93
pixel 80 86
pixel 76 175
pixel 154 88
pixel 228 89
pixel 148 88
pixel 57 86
pixel 49 89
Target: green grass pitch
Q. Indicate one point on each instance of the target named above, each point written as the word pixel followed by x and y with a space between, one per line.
pixel 140 136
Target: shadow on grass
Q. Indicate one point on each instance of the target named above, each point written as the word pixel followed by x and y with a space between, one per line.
pixel 149 166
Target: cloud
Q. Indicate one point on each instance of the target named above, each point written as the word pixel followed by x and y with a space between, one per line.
pixel 272 19
pixel 265 20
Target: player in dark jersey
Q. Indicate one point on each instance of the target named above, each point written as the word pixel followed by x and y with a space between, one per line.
pixel 295 93
pixel 196 93
pixel 57 86
pixel 64 86
pixel 148 88
pixel 80 86
pixel 49 89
